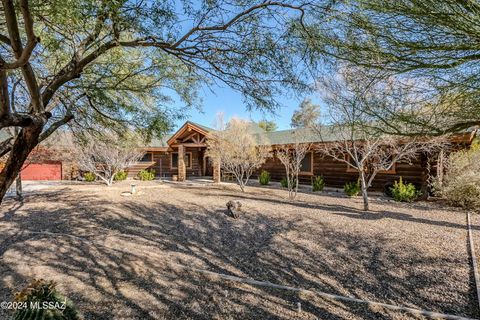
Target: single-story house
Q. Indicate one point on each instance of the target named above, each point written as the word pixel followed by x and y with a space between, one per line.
pixel 183 155
pixel 189 142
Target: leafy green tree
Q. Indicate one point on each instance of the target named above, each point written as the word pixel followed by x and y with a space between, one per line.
pixel 431 43
pixel 115 64
pixel 307 114
pixel 268 126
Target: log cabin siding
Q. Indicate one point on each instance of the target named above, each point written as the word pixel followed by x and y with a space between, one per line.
pixel 195 169
pixel 336 175
pixel 162 164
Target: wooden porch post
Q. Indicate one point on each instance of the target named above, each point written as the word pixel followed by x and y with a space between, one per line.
pixel 216 172
pixel 182 171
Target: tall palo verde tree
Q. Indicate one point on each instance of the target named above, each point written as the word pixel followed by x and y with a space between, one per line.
pixel 95 64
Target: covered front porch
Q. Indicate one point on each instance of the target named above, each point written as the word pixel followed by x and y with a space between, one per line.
pixel 189 154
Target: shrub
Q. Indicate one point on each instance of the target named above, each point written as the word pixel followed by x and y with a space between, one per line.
pixel 120 176
pixel 89 176
pixel 284 182
pixel 318 183
pixel 404 192
pixel 465 195
pixel 352 188
pixel 461 186
pixel 146 175
pixel 264 178
pixel 41 292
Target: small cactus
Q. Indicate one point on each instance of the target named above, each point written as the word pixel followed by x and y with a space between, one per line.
pixel 41 301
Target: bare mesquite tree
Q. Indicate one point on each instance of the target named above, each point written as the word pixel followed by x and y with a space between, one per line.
pixel 106 156
pixel 291 156
pixel 350 138
pixel 370 155
pixel 110 64
pixel 238 150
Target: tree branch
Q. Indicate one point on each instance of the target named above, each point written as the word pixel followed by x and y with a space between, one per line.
pixel 22 54
pixel 45 134
pixel 229 23
pixel 6 146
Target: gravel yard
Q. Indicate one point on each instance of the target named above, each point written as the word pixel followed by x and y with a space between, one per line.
pixel 128 257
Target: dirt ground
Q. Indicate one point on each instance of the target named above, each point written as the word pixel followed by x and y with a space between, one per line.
pixel 132 257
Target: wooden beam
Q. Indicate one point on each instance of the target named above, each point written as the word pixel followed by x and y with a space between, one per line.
pixel 189 137
pixel 196 138
pixel 186 127
pixel 155 149
pixel 190 145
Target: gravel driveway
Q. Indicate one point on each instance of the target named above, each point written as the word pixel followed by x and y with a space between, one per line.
pixel 126 261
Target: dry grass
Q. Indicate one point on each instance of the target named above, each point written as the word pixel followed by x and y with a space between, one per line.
pixel 412 255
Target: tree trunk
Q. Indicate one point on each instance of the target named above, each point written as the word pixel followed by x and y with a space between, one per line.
pixel 18 187
pixel 240 182
pixel 296 186
pixel 25 142
pixel 440 168
pixel 364 187
pixel 112 178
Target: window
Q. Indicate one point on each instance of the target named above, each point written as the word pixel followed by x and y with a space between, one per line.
pixel 307 164
pixel 174 160
pixel 147 157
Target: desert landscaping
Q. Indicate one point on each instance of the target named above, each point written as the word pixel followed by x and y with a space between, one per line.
pixel 153 255
pixel 219 159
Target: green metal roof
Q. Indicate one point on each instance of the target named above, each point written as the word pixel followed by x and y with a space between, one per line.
pixel 301 135
pixel 159 142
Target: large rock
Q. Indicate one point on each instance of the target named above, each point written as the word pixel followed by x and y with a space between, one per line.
pixel 233 208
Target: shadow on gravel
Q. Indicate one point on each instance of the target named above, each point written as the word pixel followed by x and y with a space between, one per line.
pixel 135 277
pixel 355 213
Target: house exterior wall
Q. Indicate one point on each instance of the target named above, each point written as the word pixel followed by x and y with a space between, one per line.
pixel 336 174
pixel 162 164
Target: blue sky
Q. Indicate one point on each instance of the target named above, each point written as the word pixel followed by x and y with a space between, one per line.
pixel 228 101
pixel 220 98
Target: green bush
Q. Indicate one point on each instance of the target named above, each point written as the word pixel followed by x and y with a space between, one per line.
pixel 264 178
pixel 43 293
pixel 284 182
pixel 318 183
pixel 352 188
pixel 405 192
pixel 89 176
pixel 146 175
pixel 120 176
